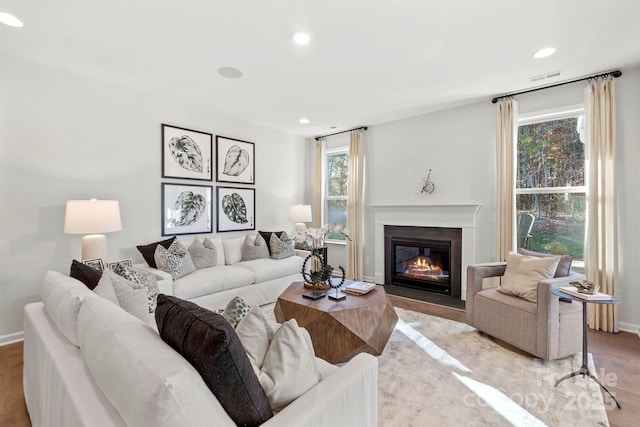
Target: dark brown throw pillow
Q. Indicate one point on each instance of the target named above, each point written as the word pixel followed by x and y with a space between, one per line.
pixel 87 275
pixel 207 341
pixel 149 250
pixel 564 266
pixel 267 237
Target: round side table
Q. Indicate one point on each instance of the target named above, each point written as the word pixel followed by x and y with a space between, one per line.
pixel 584 369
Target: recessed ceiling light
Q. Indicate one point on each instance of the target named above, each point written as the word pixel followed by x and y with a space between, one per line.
pixel 230 72
pixel 304 121
pixel 7 18
pixel 301 38
pixel 544 52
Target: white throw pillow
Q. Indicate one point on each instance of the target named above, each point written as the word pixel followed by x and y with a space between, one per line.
pixel 233 249
pixel 217 242
pixel 289 368
pixel 62 297
pixel 132 297
pixel 175 260
pixel 523 273
pixel 255 333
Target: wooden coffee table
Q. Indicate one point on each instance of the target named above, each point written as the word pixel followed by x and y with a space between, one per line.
pixel 340 329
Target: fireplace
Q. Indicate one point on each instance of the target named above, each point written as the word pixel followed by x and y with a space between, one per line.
pixel 424 258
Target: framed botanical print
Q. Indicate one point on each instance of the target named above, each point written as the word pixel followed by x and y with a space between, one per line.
pixel 236 209
pixel 186 209
pixel 186 153
pixel 235 161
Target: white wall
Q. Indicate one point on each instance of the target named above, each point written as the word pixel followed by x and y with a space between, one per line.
pixel 459 145
pixel 63 136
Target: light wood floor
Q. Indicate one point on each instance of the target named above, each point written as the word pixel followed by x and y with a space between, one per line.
pixel 615 355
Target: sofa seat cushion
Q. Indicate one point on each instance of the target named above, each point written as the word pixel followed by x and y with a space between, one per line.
pixel 211 280
pixel 269 268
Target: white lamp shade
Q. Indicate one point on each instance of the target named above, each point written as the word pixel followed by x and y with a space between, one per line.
pixel 92 216
pixel 300 213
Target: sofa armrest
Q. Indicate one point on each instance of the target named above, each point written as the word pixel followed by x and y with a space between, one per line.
pixel 476 273
pixel 302 253
pixel 347 398
pixel 164 279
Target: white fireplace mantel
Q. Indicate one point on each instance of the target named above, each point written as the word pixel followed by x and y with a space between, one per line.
pixel 462 215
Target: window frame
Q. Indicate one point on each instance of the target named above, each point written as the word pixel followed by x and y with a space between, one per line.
pixel 559 113
pixel 326 197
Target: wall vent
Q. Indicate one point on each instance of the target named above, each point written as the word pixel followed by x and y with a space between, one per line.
pixel 545 76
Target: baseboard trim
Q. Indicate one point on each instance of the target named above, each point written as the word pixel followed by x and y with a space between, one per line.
pixel 11 338
pixel 629 327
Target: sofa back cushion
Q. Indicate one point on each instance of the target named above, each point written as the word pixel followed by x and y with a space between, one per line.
pixel 147 382
pixel 211 345
pixel 233 249
pixel 62 297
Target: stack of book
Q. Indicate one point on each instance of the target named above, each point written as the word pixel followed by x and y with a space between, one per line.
pixel 358 288
pixel 597 296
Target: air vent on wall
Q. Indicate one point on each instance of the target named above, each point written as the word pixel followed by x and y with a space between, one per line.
pixel 545 76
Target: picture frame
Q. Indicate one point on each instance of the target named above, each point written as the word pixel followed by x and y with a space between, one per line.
pixel 235 161
pixel 95 263
pixel 236 208
pixel 186 153
pixel 186 209
pixel 128 262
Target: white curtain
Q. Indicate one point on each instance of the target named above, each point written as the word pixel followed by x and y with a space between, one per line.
pixel 318 183
pixel 506 136
pixel 602 234
pixel 355 187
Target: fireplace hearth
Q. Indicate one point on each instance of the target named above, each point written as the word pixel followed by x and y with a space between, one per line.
pixel 424 258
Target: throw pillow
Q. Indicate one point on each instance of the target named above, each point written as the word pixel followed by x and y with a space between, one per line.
pixel 141 277
pixel 523 273
pixel 132 297
pixel 255 333
pixel 235 311
pixel 564 266
pixel 174 260
pixel 281 247
pixel 207 341
pixel 254 248
pixel 148 251
pixel 266 235
pixel 87 275
pixel 289 368
pixel 203 253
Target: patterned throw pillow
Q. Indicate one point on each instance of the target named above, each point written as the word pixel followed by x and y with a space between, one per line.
pixel 175 260
pixel 132 297
pixel 254 248
pixel 235 311
pixel 281 247
pixel 142 277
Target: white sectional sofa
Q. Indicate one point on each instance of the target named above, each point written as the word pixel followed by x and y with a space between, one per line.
pixel 258 281
pixel 87 362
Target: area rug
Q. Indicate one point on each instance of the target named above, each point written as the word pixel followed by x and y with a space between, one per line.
pixel 438 372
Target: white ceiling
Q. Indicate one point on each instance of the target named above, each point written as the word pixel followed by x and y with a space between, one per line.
pixel 369 61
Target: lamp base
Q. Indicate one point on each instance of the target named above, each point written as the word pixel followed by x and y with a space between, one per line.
pixel 94 246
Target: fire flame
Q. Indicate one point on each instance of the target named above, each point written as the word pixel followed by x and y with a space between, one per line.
pixel 424 265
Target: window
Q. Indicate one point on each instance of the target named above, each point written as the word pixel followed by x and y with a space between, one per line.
pixel 335 199
pixel 550 182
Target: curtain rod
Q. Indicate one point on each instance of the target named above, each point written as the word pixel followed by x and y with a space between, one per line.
pixel 338 133
pixel 616 74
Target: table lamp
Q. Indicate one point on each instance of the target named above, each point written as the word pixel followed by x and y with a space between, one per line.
pixel 300 214
pixel 92 217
